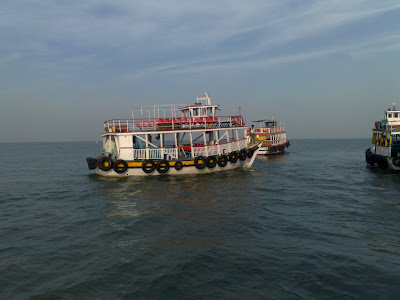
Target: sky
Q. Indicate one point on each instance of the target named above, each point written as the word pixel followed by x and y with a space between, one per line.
pixel 327 69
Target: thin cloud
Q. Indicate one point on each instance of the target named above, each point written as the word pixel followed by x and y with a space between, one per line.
pixel 154 36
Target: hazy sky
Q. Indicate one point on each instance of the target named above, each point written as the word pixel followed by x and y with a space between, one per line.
pixel 327 68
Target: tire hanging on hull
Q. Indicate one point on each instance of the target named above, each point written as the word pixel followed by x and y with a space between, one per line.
pixel 178 165
pixel 222 160
pixel 396 161
pixel 200 162
pixel 118 168
pixel 233 157
pixel 105 163
pixel 162 166
pixel 148 166
pixel 211 162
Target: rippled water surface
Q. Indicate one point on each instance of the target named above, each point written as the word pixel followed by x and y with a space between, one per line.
pixel 313 223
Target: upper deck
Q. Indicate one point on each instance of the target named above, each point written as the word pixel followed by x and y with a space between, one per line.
pixel 266 127
pixel 174 117
pixel 171 124
pixel 391 121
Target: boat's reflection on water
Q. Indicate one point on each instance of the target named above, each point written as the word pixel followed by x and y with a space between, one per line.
pixel 175 211
pixel 277 158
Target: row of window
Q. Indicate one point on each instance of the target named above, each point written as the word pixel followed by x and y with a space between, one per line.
pixel 393 115
pixel 199 112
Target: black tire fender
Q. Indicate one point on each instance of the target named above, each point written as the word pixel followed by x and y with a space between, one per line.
pixel 197 163
pixel 91 162
pixel 396 161
pixel 162 166
pixel 242 154
pixel 120 166
pixel 148 166
pixel 233 157
pixel 178 165
pixel 384 164
pixel 105 163
pixel 223 160
pixel 250 153
pixel 211 162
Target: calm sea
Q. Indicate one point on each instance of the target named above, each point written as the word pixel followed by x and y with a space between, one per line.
pixel 314 223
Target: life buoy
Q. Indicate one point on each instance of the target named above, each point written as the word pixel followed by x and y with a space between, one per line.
pixel 396 161
pixel 250 153
pixel 242 154
pixel 91 162
pixel 120 166
pixel 235 120
pixel 105 163
pixel 178 165
pixel 162 166
pixel 200 162
pixel 211 162
pixel 233 157
pixel 148 166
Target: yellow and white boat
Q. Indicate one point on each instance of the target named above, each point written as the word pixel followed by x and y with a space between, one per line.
pixel 272 134
pixel 174 140
pixel 385 149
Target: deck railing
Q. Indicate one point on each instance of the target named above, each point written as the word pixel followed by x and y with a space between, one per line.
pixel 156 153
pixel 168 124
pixel 384 126
pixel 172 153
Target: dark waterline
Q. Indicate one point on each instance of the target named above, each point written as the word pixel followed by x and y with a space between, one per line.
pixel 313 223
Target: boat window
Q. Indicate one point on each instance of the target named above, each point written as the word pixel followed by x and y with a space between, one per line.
pixel 209 111
pixel 389 115
pixel 396 115
pixel 195 111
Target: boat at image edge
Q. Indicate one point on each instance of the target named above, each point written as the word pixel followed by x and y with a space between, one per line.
pixel 385 148
pixel 174 139
pixel 272 133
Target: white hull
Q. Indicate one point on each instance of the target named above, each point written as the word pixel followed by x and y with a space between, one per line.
pixel 186 170
pixel 266 151
pixel 379 159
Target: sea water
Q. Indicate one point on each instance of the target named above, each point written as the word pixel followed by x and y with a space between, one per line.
pixel 316 222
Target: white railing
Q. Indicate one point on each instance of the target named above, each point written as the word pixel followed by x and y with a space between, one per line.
pixel 139 153
pixel 159 153
pixel 219 149
pixel 172 153
pixel 147 124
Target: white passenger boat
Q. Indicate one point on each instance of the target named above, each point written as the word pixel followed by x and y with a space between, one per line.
pixel 174 139
pixel 272 133
pixel 385 149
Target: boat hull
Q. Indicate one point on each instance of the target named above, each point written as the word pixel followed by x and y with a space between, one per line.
pixel 382 161
pixel 273 149
pixel 188 168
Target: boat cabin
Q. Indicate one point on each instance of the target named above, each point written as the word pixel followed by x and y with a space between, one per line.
pixel 199 109
pixel 391 120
